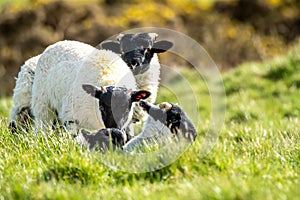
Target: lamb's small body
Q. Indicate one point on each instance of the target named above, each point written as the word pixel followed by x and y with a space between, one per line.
pixel 165 122
pixel 60 73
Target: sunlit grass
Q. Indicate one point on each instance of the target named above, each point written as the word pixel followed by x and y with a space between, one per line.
pixel 257 155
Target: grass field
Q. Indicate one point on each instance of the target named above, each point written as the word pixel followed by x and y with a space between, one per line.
pixel 257 155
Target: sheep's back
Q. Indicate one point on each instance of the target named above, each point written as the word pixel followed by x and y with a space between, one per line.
pixel 63 51
pixel 107 68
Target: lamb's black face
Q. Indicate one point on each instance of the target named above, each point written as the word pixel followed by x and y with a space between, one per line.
pixel 137 50
pixel 115 103
pixel 172 116
pixel 103 138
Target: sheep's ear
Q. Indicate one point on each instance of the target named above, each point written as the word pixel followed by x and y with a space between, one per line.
pixel 162 46
pixel 111 45
pixel 93 90
pixel 138 95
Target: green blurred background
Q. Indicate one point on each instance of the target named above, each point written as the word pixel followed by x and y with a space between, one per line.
pixel 232 32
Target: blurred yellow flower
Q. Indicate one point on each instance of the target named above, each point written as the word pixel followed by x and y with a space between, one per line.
pixel 274 2
pixel 231 32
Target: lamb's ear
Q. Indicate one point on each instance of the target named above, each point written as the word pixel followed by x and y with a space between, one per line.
pixel 111 45
pixel 161 46
pixel 138 95
pixel 85 133
pixel 93 90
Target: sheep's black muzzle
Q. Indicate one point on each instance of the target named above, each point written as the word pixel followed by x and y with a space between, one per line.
pixel 136 61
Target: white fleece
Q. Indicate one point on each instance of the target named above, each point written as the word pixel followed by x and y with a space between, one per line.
pixel 60 73
pixel 149 81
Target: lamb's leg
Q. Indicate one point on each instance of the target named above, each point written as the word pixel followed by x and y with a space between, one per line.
pixel 140 116
pixel 72 127
pixel 129 130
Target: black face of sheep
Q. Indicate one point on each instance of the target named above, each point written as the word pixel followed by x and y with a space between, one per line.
pixel 115 103
pixel 137 50
pixel 171 116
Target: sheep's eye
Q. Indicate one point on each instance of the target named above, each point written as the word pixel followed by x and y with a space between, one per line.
pixel 147 50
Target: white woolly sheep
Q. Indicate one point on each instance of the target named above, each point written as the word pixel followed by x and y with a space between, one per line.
pixel 21 114
pixel 139 51
pixel 67 72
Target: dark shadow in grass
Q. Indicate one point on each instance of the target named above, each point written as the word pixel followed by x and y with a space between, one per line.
pixel 294 83
pixel 213 164
pixel 67 174
pixel 162 175
pixel 238 139
pixel 19 192
pixel 292 113
pixel 232 89
pixel 278 73
pixel 152 177
pixel 241 117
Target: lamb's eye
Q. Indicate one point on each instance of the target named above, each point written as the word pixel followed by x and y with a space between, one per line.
pixel 101 107
pixel 173 120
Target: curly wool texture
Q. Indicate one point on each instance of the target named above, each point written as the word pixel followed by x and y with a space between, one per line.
pixel 22 91
pixel 60 73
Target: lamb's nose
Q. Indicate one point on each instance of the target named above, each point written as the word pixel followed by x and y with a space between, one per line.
pixel 133 64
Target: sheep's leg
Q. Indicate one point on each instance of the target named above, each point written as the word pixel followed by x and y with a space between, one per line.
pixel 43 115
pixel 20 120
pixel 20 113
pixel 67 117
